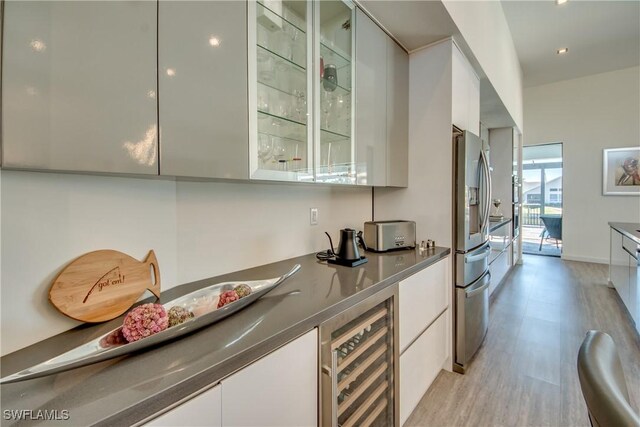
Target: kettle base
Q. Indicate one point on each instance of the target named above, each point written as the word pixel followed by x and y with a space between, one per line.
pixel 348 263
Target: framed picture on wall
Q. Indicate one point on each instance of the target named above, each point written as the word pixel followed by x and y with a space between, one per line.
pixel 621 172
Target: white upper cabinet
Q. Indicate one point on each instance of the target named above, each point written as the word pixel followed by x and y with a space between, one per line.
pixel 202 57
pixel 229 89
pixel 280 122
pixel 382 107
pixel 300 91
pixel 79 86
pixel 371 101
pixel 465 94
pixel 397 115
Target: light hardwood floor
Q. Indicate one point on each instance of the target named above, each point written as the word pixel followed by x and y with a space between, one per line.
pixel 525 372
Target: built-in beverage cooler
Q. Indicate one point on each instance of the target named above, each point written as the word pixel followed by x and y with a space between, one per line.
pixel 359 364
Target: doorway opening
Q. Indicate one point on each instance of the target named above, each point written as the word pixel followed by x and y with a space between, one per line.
pixel 542 195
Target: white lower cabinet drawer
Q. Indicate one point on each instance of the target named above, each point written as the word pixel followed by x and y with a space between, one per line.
pixel 422 298
pixel 203 410
pixel 281 389
pixel 421 363
pixel 499 269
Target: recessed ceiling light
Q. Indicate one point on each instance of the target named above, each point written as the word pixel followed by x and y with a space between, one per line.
pixel 171 72
pixel 562 50
pixel 214 41
pixel 559 2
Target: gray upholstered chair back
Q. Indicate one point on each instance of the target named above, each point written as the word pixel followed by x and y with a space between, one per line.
pixel 553 225
pixel 603 385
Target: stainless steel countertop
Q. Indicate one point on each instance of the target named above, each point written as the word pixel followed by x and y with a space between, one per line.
pixel 629 229
pixel 130 389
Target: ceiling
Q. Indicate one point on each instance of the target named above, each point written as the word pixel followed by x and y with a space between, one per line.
pixel 601 36
pixel 418 23
pixel 414 24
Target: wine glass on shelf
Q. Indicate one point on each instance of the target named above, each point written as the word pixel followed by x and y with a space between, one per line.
pixel 263 99
pixel 294 34
pixel 340 110
pixel 327 105
pixel 265 66
pixel 280 155
pixel 301 105
pixel 284 42
pixel 329 159
pixel 265 148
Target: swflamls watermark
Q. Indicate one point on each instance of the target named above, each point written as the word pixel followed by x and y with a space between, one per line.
pixel 36 415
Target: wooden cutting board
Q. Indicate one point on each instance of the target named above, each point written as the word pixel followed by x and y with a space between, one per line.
pixel 101 285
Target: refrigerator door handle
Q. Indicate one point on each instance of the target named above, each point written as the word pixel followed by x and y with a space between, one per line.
pixel 487 183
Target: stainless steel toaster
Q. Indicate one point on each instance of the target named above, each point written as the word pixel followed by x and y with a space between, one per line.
pixel 381 236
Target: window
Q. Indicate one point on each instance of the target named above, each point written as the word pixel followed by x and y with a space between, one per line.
pixel 555 195
pixel 533 198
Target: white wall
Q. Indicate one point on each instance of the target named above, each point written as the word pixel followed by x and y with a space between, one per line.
pixel 197 230
pixel 587 115
pixel 226 227
pixel 50 219
pixel 484 28
pixel 428 199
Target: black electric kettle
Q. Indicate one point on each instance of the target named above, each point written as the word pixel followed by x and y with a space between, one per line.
pixel 348 253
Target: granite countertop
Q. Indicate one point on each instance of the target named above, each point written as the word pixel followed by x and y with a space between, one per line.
pixel 629 229
pixel 130 389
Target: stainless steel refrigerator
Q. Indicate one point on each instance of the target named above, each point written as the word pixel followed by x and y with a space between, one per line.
pixel 472 208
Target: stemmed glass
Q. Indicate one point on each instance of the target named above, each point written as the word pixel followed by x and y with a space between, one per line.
pixel 265 67
pixel 301 104
pixel 328 104
pixel 294 33
pixel 265 147
pixel 279 154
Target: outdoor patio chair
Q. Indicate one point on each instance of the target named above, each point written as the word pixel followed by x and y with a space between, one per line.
pixel 552 229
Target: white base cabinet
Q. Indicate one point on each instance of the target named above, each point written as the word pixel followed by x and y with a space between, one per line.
pixel 423 297
pixel 280 389
pixel 623 273
pixel 499 268
pixel 203 410
pixel 425 331
pixel 421 363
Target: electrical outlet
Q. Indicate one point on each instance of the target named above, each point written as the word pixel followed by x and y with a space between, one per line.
pixel 313 216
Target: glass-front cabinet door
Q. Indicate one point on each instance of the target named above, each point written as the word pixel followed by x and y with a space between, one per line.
pixel 279 90
pixel 335 154
pixel 300 98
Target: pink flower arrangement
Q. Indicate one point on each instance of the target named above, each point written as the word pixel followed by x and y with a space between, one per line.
pixel 227 297
pixel 144 321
